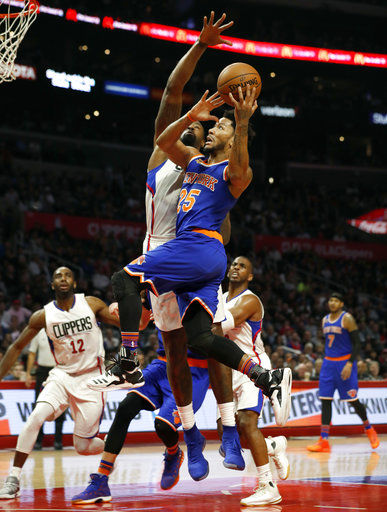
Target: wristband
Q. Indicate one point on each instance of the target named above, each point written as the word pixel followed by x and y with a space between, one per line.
pixel 191 118
pixel 228 323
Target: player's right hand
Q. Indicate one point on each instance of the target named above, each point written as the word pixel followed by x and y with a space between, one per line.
pixel 113 309
pixel 28 380
pixel 210 34
pixel 201 111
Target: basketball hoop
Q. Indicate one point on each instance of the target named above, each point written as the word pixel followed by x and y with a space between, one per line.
pixel 13 28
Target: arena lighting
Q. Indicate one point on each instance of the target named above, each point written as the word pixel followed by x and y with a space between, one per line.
pixel 124 89
pixel 277 111
pixel 66 81
pixel 378 118
pixel 244 46
pixel 273 50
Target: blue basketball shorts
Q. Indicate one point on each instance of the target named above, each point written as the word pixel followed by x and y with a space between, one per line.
pixel 330 380
pixel 157 391
pixel 192 265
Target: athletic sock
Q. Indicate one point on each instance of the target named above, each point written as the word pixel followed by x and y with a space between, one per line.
pixel 248 366
pixel 15 471
pixel 227 414
pixel 367 425
pixel 172 450
pixel 129 339
pixel 105 467
pixel 187 416
pixel 264 474
pixel 325 431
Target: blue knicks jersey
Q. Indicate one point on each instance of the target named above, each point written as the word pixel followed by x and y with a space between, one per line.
pixel 337 340
pixel 205 198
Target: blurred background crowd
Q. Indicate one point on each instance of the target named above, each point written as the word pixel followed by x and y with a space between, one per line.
pixel 85 155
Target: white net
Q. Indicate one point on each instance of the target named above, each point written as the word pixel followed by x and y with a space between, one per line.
pixel 13 28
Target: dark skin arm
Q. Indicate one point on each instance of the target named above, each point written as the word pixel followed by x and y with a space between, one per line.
pixel 238 170
pixel 101 311
pixel 247 308
pixel 171 102
pixel 225 229
pixel 36 322
pixel 349 323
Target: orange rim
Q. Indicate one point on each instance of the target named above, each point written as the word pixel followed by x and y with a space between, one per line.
pixel 32 7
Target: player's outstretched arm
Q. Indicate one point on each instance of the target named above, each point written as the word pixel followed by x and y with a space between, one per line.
pixel 239 171
pixel 246 308
pixel 36 322
pixel 170 106
pixel 102 312
pixel 169 140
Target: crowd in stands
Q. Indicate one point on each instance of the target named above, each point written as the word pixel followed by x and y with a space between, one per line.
pixel 294 289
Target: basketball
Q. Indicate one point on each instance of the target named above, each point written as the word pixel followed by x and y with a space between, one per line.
pixel 237 75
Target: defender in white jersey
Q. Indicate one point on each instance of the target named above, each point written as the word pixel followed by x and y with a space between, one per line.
pixel 75 339
pixel 243 325
pixel 163 185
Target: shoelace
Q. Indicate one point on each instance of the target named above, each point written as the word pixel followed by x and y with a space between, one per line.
pixel 260 488
pixel 10 486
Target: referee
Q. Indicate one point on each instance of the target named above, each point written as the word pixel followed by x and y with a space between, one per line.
pixel 46 362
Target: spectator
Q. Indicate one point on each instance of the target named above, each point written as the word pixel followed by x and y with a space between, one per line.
pixel 374 370
pixel 17 372
pixel 22 314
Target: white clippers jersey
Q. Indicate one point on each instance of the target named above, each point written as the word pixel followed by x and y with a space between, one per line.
pixel 74 336
pixel 247 335
pixel 163 186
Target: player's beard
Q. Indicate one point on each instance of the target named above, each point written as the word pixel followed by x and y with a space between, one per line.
pixel 189 139
pixel 64 295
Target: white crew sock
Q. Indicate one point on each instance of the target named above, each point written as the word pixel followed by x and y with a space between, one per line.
pixel 15 471
pixel 187 416
pixel 227 415
pixel 264 474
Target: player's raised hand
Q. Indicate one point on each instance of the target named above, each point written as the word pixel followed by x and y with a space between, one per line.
pixel 246 106
pixel 202 110
pixel 210 34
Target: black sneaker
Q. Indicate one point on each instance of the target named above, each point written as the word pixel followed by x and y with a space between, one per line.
pixel 277 385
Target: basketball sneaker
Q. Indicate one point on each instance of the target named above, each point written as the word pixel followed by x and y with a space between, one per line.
pixel 322 445
pixel 97 490
pixel 10 489
pixel 264 494
pixel 276 449
pixel 231 449
pixel 123 373
pixel 172 464
pixel 373 437
pixel 277 385
pixel 198 467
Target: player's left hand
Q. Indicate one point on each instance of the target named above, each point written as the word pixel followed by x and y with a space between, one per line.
pixel 210 34
pixel 246 106
pixel 346 371
pixel 201 111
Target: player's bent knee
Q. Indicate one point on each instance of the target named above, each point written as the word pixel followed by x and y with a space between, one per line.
pixel 201 343
pixel 167 433
pixel 123 284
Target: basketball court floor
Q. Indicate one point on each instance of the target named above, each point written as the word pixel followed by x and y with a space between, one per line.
pixel 350 478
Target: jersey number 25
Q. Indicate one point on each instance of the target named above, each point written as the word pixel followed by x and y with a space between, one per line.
pixel 186 202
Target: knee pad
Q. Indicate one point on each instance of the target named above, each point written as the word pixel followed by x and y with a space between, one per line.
pixel 124 284
pixel 166 433
pixel 201 343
